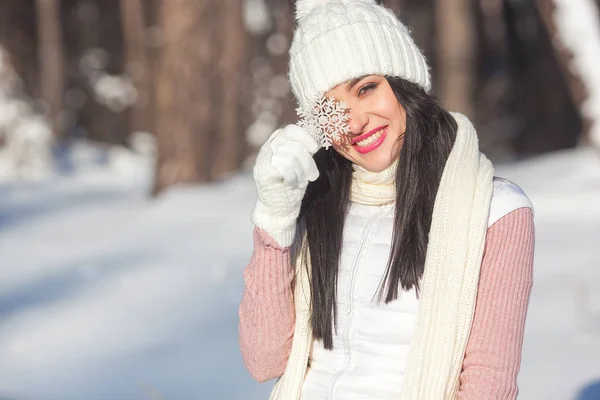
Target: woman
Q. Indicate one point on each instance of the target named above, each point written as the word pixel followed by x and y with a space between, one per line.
pixel 390 263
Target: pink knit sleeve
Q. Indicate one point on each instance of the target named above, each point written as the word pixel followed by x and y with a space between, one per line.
pixel 493 354
pixel 266 313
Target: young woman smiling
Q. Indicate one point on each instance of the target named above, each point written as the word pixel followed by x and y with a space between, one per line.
pixel 390 264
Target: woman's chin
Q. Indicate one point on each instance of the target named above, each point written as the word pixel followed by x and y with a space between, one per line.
pixel 376 161
pixel 375 165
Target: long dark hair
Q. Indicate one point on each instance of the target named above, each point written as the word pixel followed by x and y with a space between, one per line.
pixel 430 135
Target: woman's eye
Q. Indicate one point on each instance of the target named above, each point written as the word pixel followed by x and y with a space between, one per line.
pixel 367 88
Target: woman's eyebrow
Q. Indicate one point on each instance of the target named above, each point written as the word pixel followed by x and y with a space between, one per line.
pixel 353 82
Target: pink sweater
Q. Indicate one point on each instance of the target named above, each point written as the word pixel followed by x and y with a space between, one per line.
pixel 493 354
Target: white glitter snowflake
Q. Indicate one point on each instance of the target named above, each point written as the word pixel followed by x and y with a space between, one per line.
pixel 327 121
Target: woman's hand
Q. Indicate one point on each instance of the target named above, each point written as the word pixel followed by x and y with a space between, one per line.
pixel 283 168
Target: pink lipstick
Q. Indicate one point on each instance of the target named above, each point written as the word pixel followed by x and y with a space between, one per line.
pixel 370 140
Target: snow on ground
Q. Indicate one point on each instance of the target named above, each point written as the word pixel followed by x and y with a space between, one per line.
pixel 561 352
pixel 108 295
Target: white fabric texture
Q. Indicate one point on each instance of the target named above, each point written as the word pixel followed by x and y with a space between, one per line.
pixel 374 188
pixel 371 342
pixel 451 277
pixel 283 168
pixel 338 40
pixel 449 285
pixel 507 197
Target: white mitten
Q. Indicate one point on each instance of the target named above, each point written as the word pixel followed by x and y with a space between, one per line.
pixel 283 168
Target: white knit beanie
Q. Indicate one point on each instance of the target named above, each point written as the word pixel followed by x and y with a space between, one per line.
pixel 339 40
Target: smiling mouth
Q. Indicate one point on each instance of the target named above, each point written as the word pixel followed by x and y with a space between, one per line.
pixel 370 141
pixel 371 137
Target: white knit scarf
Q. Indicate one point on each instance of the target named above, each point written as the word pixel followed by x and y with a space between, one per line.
pixel 374 188
pixel 448 287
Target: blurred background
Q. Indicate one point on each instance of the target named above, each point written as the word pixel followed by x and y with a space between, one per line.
pixel 128 130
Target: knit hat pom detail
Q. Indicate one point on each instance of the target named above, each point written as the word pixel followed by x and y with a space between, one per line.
pixel 304 7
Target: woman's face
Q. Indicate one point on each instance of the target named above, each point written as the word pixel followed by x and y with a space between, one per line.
pixel 377 122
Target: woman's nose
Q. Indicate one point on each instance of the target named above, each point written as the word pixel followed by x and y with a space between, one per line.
pixel 358 121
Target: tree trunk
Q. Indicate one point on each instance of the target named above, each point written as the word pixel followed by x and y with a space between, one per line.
pixel 18 37
pixel 548 119
pixel 92 30
pixel 494 109
pixel 137 63
pixel 455 45
pixel 575 84
pixel 184 84
pixel 229 139
pixel 51 59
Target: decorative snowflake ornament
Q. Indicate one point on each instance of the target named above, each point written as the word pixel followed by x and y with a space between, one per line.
pixel 327 121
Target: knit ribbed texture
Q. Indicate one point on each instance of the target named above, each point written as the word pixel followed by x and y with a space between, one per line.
pixel 373 188
pixel 277 204
pixel 452 264
pixel 450 286
pixel 493 353
pixel 278 217
pixel 266 313
pixel 295 371
pixel 339 40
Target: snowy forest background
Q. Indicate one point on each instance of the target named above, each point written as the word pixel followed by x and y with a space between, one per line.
pixel 128 129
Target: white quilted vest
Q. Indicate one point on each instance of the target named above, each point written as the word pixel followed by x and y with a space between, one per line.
pixel 372 339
